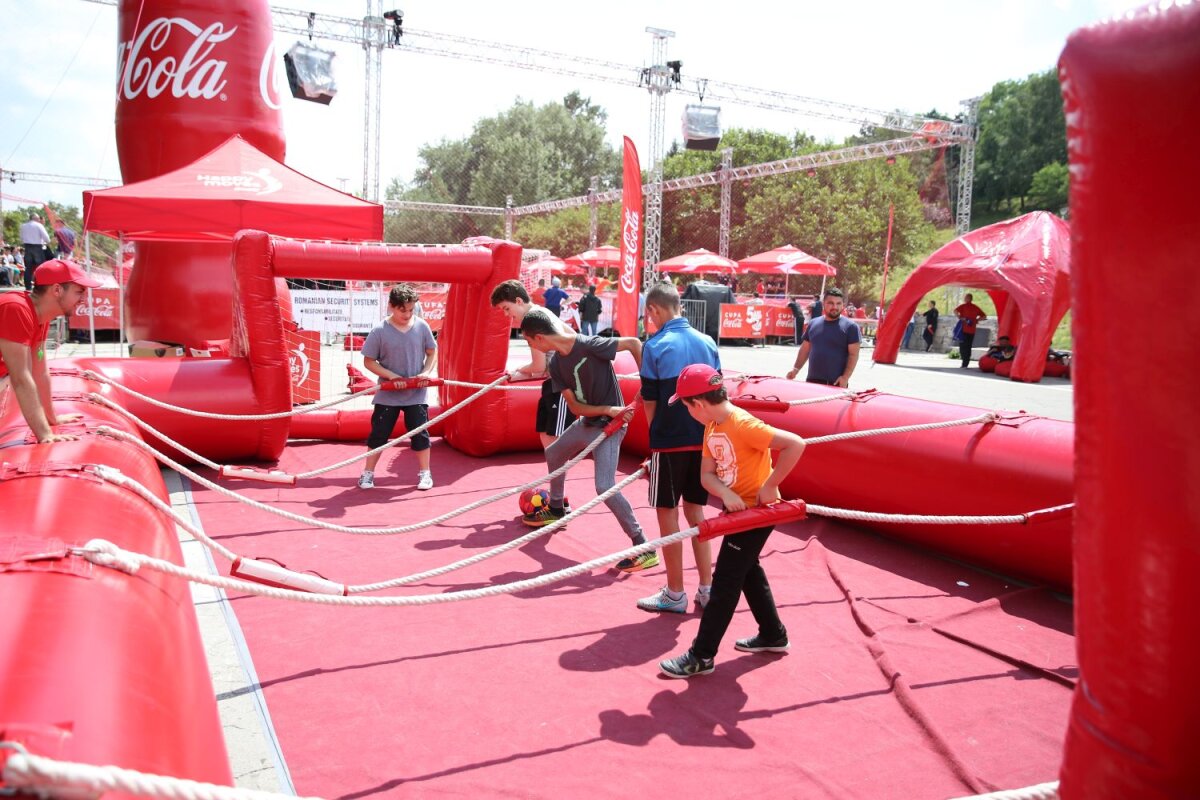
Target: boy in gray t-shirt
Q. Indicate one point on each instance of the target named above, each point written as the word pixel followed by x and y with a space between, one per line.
pixel 401 347
pixel 582 372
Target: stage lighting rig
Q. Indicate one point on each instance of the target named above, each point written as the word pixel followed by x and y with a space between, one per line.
pixel 397 18
pixel 675 66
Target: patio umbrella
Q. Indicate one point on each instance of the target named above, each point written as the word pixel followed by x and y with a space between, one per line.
pixel 786 260
pixel 698 262
pixel 603 257
pixel 556 266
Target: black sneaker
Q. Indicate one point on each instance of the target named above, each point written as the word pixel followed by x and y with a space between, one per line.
pixel 757 644
pixel 543 516
pixel 686 666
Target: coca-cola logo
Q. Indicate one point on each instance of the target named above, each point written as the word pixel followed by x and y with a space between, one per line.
pixel 257 182
pixel 100 307
pixel 268 78
pixel 629 248
pixel 147 67
pixel 433 309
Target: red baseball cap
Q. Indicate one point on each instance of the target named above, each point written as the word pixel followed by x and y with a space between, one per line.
pixel 56 270
pixel 695 380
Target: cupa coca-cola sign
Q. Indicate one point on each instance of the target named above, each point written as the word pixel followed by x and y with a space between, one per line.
pixel 175 56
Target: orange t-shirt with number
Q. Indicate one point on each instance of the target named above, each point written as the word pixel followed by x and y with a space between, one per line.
pixel 741 448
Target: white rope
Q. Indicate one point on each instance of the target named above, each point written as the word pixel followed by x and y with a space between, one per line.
pixel 928 426
pixel 107 554
pixel 191 412
pixel 117 478
pixel 495 551
pixel 405 437
pixel 814 400
pixel 925 519
pixel 146 426
pixel 319 523
pixel 1041 791
pixel 43 775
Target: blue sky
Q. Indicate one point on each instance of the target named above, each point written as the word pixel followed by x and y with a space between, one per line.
pixel 57 83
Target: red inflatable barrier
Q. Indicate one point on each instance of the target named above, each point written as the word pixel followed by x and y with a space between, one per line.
pixel 100 666
pixel 1134 211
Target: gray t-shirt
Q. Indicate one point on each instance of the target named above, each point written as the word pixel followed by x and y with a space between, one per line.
pixel 587 370
pixel 403 352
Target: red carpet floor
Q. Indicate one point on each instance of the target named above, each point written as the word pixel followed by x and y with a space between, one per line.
pixel 909 676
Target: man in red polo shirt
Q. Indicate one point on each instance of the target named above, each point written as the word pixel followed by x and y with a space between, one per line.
pixel 58 286
pixel 970 314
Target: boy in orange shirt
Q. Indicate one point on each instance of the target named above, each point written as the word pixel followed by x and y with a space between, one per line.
pixel 736 467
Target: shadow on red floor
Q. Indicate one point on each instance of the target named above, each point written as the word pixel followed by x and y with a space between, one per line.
pixel 909 676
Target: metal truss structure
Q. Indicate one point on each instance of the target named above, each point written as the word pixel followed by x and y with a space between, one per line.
pixel 374 35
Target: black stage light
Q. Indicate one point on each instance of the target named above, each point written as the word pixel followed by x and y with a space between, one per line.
pixel 310 73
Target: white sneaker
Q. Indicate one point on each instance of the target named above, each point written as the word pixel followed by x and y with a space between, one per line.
pixel 703 595
pixel 366 480
pixel 424 480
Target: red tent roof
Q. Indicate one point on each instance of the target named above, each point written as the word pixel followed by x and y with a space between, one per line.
pixel 697 262
pixel 1023 263
pixel 602 257
pixel 786 260
pixel 234 187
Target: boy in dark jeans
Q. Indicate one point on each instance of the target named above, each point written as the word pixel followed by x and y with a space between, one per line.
pixel 401 347
pixel 736 467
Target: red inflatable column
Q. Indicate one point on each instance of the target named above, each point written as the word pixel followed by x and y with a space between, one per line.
pixel 1132 94
pixel 192 74
pixel 474 347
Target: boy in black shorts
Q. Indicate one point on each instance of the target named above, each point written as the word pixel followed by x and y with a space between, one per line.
pixel 553 416
pixel 675 444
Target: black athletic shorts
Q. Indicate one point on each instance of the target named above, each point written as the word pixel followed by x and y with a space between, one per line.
pixel 383 422
pixel 675 475
pixel 553 416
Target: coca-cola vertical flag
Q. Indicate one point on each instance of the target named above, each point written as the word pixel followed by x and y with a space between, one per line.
pixel 631 244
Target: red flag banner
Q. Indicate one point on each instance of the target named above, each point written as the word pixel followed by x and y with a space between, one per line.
pixel 631 244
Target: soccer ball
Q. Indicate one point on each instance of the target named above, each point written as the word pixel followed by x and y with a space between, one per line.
pixel 532 500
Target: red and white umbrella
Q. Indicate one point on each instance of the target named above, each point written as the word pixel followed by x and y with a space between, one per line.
pixel 602 257
pixel 556 266
pixel 786 260
pixel 698 262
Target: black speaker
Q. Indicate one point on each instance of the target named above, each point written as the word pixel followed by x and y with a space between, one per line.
pixel 310 73
pixel 701 127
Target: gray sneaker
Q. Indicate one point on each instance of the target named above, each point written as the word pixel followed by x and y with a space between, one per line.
pixel 366 480
pixel 662 602
pixel 701 599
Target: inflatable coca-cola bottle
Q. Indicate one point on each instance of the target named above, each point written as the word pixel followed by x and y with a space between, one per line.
pixel 191 74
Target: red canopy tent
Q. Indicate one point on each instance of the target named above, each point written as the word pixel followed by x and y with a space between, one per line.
pixel 556 266
pixel 602 257
pixel 235 186
pixel 698 262
pixel 1023 263
pixel 786 260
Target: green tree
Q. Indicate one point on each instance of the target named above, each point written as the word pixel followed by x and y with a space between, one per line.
pixel 567 232
pixel 1048 189
pixel 1021 129
pixel 531 153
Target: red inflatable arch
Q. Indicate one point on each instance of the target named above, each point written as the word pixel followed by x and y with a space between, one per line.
pixel 1132 99
pixel 473 348
pixel 1023 263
